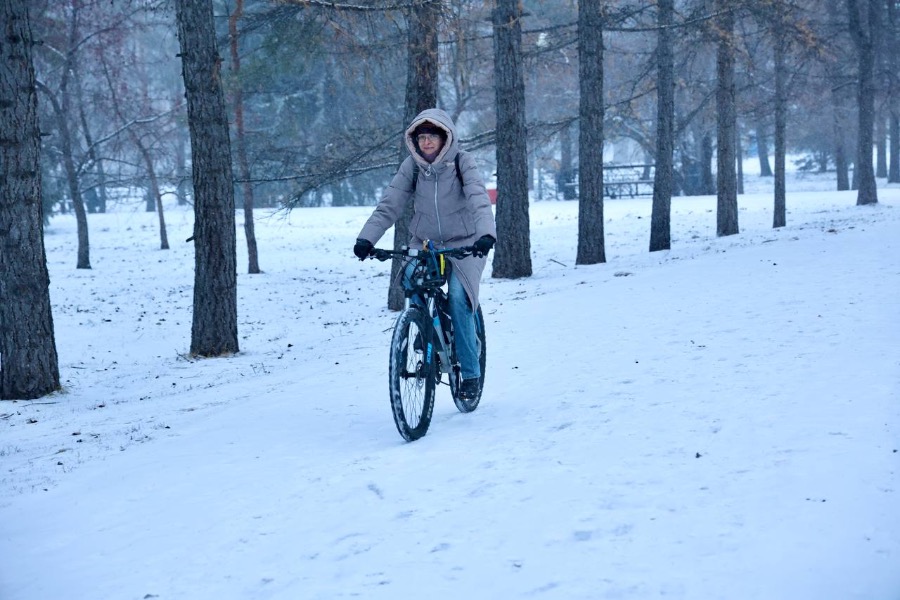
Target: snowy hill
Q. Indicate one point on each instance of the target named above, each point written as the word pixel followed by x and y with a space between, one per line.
pixel 716 421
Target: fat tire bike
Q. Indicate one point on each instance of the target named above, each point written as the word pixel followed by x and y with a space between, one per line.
pixel 423 348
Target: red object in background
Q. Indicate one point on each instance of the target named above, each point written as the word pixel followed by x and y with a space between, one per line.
pixel 492 194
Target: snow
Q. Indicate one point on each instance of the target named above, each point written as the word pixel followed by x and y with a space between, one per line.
pixel 719 420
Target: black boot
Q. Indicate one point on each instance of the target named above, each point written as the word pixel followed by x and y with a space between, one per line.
pixel 469 389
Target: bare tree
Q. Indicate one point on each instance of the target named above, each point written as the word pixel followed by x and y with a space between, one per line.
pixel 864 28
pixel 663 177
pixel 421 94
pixel 29 366
pixel 242 163
pixel 154 193
pixel 512 258
pixel 726 119
pixel 591 245
pixel 214 328
pixel 62 112
pixel 62 109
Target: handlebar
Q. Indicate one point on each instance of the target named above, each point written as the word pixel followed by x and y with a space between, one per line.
pixel 383 254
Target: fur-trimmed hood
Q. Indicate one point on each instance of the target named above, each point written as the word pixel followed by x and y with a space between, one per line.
pixel 441 119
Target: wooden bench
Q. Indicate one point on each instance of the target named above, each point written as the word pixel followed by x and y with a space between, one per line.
pixel 627 181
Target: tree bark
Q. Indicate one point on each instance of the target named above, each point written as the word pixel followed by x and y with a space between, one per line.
pixel 243 164
pixel 512 257
pixel 661 212
pixel 779 218
pixel 214 327
pixel 841 165
pixel 726 119
pixel 864 27
pixel 591 243
pixel 707 181
pixel 894 166
pixel 566 179
pixel 29 367
pixel 181 176
pixel 881 161
pixel 421 94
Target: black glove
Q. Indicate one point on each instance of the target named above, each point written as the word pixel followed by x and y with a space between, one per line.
pixel 483 245
pixel 362 249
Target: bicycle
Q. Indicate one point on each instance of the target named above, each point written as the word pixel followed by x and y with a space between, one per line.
pixel 422 346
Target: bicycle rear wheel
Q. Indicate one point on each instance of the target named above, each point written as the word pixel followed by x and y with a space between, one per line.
pixel 411 374
pixel 468 405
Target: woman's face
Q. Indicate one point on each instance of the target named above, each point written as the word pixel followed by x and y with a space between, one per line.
pixel 429 143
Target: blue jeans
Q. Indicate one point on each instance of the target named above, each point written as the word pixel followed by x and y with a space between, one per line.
pixel 463 317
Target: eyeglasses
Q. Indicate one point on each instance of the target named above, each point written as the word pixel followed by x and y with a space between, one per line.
pixel 428 137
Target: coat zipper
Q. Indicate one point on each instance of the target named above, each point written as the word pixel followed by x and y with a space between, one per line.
pixel 437 214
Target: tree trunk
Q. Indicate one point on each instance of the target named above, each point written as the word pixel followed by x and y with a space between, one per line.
pixel 181 176
pixel 864 27
pixel 63 113
pixel 421 94
pixel 841 165
pixel 661 213
pixel 214 328
pixel 97 199
pixel 591 245
pixel 566 179
pixel 29 366
pixel 893 52
pixel 83 259
pixel 726 120
pixel 243 164
pixel 762 149
pixel 707 182
pixel 894 167
pixel 512 258
pixel 840 124
pixel 154 192
pixel 780 43
pixel 880 146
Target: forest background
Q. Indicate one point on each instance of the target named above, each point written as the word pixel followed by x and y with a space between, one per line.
pixel 560 100
pixel 322 87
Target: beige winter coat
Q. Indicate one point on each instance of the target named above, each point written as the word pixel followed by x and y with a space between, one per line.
pixel 444 213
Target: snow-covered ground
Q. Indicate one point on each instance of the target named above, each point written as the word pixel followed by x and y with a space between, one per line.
pixel 718 421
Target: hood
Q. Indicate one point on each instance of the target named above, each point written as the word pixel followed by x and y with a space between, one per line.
pixel 442 120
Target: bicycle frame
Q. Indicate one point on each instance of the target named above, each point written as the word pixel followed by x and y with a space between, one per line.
pixel 442 332
pixel 427 282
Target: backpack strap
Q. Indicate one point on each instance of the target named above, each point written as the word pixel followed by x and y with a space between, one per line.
pixel 415 174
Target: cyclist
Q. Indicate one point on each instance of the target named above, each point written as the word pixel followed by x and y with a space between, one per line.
pixel 451 208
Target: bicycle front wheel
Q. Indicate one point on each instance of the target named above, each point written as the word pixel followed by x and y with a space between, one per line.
pixel 411 374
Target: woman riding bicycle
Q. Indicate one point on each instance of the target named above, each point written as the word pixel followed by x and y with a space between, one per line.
pixel 452 209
